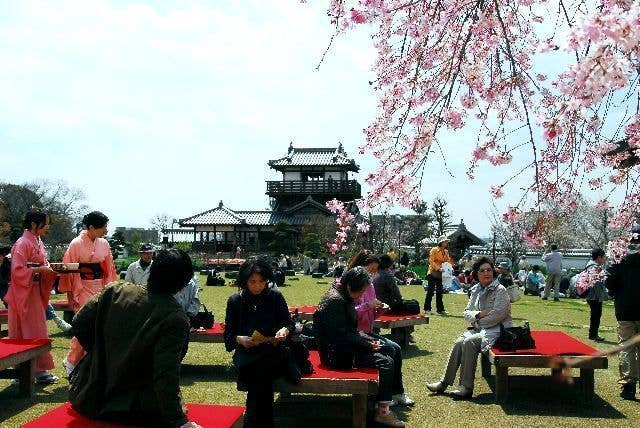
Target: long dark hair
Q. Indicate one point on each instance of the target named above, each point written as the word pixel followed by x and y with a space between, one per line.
pixel 260 266
pixel 37 216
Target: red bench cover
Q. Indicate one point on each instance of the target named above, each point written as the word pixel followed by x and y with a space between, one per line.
pixel 13 346
pixel 207 415
pixel 552 343
pixel 4 312
pixel 60 304
pixel 216 330
pixel 310 309
pixel 391 317
pixel 322 372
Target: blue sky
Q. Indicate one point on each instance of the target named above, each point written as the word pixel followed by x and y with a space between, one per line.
pixel 171 106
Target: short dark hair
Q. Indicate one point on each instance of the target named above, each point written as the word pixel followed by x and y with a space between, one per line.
pixel 96 219
pixel 385 262
pixel 259 265
pixel 554 247
pixel 355 279
pixel 597 252
pixel 170 271
pixel 481 261
pixel 363 258
pixel 37 216
pixel 535 268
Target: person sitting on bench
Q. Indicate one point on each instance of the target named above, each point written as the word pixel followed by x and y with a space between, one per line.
pixel 134 337
pixel 342 346
pixel 488 307
pixel 257 320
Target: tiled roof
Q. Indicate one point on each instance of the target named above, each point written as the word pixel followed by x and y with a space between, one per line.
pixel 331 156
pixel 222 215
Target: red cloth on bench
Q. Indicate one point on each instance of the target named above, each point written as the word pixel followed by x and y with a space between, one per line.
pixel 216 330
pixel 391 317
pixel 60 305
pixel 13 346
pixel 207 415
pixel 553 343
pixel 323 372
pixel 309 309
pixel 4 312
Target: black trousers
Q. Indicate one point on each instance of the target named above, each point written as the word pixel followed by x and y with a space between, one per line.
pixel 434 285
pixel 594 319
pixel 257 378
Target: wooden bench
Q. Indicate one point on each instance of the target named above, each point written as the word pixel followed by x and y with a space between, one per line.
pixel 21 355
pixel 4 318
pixel 212 335
pixel 359 383
pixel 206 415
pixel 64 307
pixel 383 321
pixel 549 346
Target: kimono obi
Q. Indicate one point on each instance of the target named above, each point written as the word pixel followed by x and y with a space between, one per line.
pixel 90 271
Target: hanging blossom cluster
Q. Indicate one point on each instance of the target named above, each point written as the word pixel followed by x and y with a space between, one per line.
pixel 441 64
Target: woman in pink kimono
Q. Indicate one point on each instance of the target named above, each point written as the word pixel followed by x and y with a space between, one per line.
pixel 93 253
pixel 31 283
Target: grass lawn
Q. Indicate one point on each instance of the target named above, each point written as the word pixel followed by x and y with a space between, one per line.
pixel 207 377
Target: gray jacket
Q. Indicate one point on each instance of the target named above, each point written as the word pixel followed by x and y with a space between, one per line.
pixel 494 298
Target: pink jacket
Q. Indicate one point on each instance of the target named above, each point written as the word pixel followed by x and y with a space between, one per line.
pixel 366 315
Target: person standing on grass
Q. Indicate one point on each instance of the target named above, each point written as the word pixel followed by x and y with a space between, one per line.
pixel 31 284
pixel 437 256
pixel 553 260
pixel 596 294
pixel 93 252
pixel 622 283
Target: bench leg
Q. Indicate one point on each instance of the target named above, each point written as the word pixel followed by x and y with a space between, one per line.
pixel 502 383
pixel 26 374
pixel 400 336
pixel 359 410
pixel 587 384
pixel 485 365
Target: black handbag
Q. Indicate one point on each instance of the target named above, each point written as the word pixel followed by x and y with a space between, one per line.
pixel 406 307
pixel 336 357
pixel 514 338
pixel 203 319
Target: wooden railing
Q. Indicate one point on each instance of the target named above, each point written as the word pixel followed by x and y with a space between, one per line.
pixel 348 187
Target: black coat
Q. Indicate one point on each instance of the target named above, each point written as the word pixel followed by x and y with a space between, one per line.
pixel 135 341
pixel 267 313
pixel 335 322
pixel 622 283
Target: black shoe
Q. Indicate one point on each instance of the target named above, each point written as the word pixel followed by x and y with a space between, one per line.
pixel 556 299
pixel 443 312
pixel 544 298
pixel 628 391
pixel 597 339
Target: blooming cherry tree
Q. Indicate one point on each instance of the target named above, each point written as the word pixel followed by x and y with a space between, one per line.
pixel 552 82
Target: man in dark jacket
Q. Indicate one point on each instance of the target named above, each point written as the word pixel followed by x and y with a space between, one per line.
pixel 622 283
pixel 134 337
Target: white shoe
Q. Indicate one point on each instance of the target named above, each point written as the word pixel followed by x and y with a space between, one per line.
pixel 68 367
pixel 402 399
pixel 462 392
pixel 437 387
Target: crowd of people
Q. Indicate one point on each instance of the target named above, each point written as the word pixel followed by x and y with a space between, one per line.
pixel 132 374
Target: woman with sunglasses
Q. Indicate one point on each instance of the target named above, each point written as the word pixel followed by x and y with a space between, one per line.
pixel 488 307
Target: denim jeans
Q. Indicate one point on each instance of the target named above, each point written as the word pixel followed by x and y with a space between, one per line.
pixel 50 313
